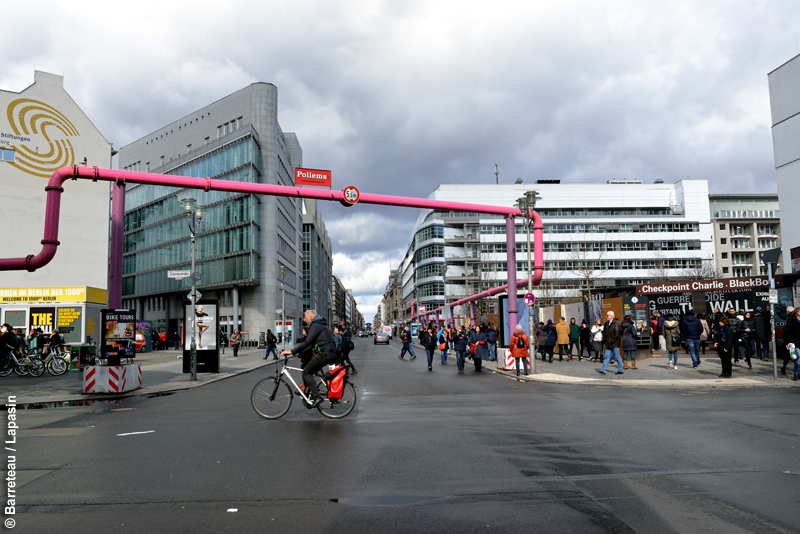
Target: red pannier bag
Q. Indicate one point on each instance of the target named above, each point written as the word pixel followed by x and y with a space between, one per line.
pixel 335 381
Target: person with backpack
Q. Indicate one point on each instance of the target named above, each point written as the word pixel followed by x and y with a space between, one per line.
pixel 519 348
pixel 347 346
pixel 405 338
pixel 319 338
pixel 272 343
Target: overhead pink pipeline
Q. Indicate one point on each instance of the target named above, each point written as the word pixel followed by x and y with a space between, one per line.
pixel 55 187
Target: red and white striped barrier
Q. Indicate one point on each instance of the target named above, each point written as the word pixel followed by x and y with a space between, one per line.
pixel 112 379
pixel 510 362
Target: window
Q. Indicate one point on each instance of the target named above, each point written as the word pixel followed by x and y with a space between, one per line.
pixel 723 241
pixel 722 226
pixel 724 255
pixel 725 270
pixel 147 167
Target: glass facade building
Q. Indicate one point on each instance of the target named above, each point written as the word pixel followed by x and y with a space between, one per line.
pixel 243 240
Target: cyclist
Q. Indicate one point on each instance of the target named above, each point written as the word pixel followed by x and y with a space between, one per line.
pixel 321 340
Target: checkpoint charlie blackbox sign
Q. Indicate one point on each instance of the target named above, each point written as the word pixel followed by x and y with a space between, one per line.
pixel 703 296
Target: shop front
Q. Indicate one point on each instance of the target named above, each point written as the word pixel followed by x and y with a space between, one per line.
pixel 74 311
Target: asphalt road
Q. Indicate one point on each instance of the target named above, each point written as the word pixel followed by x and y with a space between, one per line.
pixel 422 452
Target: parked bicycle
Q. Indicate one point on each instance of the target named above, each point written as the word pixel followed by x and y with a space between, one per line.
pixel 24 365
pixel 57 361
pixel 272 397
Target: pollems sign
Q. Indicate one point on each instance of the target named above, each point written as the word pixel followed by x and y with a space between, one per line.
pixel 312 177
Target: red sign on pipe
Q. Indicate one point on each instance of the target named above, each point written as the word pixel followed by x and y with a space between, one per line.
pixel 313 177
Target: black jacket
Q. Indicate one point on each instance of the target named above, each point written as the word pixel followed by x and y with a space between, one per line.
pixel 728 343
pixel 428 340
pixel 791 332
pixel 761 327
pixel 460 342
pixel 318 336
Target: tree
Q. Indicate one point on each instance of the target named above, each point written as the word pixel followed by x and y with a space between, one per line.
pixel 587 262
pixel 659 273
pixel 707 270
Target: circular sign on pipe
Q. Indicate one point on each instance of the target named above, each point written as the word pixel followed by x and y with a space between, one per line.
pixel 350 195
pixel 530 298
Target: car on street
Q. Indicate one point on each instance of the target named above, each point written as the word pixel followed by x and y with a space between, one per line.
pixel 381 337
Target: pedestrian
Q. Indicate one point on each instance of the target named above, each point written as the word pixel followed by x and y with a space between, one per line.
pixel 563 339
pixel 706 335
pixel 761 328
pixel 405 338
pixel 748 346
pixel 154 340
pixel 550 341
pixel 236 340
pixel 724 345
pixel 177 340
pixel 162 340
pixel 780 348
pixel 347 347
pixel 597 340
pixel 692 328
pixel 612 339
pixel 460 345
pixel 672 334
pixel 586 340
pixel 481 348
pixel 654 331
pixel 662 340
pixel 541 337
pixel 272 343
pixel 574 337
pixel 444 344
pixel 491 341
pixel 735 322
pixel 791 340
pixel 629 339
pixel 429 342
pixel 519 348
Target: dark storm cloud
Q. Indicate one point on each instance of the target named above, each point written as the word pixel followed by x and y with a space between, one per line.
pixel 396 98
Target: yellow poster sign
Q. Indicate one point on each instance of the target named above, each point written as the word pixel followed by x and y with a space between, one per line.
pixel 24 295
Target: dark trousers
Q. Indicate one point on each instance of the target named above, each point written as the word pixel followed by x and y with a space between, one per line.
pixel 725 359
pixel 235 349
pixel 587 346
pixel 562 350
pixel 549 349
pixel 573 343
pixel 478 363
pixel 346 360
pixel 317 362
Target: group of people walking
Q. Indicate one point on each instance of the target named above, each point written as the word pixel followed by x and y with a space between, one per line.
pixel 478 343
pixel 571 338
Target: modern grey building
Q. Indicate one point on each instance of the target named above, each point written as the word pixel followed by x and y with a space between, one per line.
pixel 243 240
pixel 744 225
pixel 338 296
pixel 317 263
pixel 784 100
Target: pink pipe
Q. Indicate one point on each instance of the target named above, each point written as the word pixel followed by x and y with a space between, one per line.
pixel 511 265
pixel 117 238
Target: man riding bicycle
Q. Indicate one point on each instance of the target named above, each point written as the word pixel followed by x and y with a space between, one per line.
pixel 321 340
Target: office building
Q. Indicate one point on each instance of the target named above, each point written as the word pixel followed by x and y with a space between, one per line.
pixel 744 225
pixel 317 262
pixel 243 241
pixel 626 232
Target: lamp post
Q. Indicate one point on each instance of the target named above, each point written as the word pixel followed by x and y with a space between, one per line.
pixel 526 205
pixel 283 309
pixel 194 215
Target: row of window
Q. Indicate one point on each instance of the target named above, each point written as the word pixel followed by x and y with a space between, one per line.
pixel 597 228
pixel 185 125
pixel 430 251
pixel 242 209
pixel 228 127
pixel 229 241
pixel 603 212
pixel 432 269
pixel 239 268
pixel 430 232
pixel 746 214
pixel 599 265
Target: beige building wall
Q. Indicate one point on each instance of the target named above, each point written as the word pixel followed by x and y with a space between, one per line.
pixel 41 130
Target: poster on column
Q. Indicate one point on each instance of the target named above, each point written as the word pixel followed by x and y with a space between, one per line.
pixel 206 335
pixel 119 334
pixel 44 318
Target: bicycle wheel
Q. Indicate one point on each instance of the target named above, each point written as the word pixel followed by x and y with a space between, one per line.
pixel 20 369
pixel 7 367
pixel 57 366
pixel 271 399
pixel 338 408
pixel 35 368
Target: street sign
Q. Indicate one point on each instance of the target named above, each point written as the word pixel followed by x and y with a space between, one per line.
pixel 199 295
pixel 196 275
pixel 773 296
pixel 179 274
pixel 279 311
pixel 350 195
pixel 530 298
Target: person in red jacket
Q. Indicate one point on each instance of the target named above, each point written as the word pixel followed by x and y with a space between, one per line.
pixel 519 348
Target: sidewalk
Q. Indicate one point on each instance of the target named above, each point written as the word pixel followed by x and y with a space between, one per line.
pixel 650 372
pixel 161 372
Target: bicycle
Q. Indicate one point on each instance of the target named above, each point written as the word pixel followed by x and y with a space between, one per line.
pixel 272 397
pixel 29 365
pixel 56 361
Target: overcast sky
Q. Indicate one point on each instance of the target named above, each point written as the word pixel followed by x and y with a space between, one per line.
pixel 396 97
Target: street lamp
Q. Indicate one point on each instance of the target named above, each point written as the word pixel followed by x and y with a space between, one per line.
pixel 526 205
pixel 194 215
pixel 283 308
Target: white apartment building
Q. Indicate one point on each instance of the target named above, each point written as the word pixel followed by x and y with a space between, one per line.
pixel 633 232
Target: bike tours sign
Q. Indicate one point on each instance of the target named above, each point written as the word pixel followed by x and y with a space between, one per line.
pixel 119 334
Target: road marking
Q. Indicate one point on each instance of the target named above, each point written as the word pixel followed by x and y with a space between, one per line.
pixel 134 433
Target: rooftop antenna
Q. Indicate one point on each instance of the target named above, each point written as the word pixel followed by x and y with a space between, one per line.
pixel 497 174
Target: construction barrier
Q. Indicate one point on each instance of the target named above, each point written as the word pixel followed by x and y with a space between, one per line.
pixel 112 378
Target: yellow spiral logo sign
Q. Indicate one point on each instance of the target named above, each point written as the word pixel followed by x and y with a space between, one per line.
pixel 31 117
